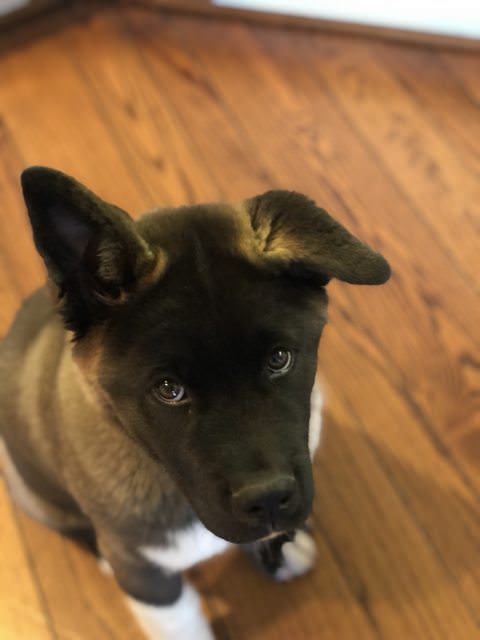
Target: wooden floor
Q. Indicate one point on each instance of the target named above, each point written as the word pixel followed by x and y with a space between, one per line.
pixel 148 108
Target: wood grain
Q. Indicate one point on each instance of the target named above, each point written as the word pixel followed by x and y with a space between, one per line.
pixel 149 108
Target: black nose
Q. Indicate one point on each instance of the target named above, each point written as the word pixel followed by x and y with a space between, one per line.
pixel 267 502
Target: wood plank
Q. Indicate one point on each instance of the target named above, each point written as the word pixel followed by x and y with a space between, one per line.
pixel 413 153
pixel 465 67
pixel 22 270
pixel 146 131
pixel 413 470
pixel 234 172
pixel 438 94
pixel 22 612
pixel 83 603
pixel 63 130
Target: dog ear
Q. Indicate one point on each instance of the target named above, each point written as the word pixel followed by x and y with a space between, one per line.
pixel 305 241
pixel 92 250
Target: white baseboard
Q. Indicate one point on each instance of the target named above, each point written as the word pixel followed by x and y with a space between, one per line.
pixel 459 19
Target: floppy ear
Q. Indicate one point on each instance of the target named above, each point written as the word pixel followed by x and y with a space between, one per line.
pixel 306 241
pixel 92 250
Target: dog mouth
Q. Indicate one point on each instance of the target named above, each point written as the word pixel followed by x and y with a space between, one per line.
pixel 276 534
pixel 239 532
pixel 221 520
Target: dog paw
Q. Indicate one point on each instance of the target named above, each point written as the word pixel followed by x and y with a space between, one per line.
pixel 298 556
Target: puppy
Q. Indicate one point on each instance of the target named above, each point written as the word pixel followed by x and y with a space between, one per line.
pixel 157 397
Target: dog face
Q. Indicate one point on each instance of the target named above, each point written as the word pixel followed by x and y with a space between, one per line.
pixel 198 329
pixel 212 370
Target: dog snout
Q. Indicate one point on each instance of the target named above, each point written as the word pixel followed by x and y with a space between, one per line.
pixel 269 502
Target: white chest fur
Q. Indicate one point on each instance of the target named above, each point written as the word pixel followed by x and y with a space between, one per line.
pixel 315 425
pixel 188 547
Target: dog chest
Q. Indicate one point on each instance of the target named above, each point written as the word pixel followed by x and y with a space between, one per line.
pixel 185 548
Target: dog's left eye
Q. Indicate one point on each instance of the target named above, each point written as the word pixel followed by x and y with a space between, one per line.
pixel 170 391
pixel 279 362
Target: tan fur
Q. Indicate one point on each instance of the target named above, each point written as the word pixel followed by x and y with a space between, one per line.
pixel 33 504
pixel 261 245
pixel 250 244
pixel 157 269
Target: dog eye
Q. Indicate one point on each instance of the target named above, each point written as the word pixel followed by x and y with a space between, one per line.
pixel 170 391
pixel 280 361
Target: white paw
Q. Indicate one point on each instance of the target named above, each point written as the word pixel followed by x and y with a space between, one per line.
pixel 299 557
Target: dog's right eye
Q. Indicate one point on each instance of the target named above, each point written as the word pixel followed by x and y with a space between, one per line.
pixel 170 391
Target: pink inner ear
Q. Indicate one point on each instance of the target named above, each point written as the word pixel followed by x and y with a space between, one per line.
pixel 71 229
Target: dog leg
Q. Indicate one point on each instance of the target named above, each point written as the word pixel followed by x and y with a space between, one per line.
pixel 164 607
pixel 177 621
pixel 286 556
